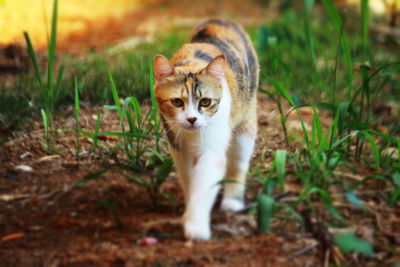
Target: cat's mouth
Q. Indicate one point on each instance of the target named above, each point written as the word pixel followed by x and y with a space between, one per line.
pixel 191 127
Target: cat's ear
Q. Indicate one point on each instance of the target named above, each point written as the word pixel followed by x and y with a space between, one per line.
pixel 162 68
pixel 216 67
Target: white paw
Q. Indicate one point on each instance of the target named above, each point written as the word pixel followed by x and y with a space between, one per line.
pixel 195 230
pixel 232 205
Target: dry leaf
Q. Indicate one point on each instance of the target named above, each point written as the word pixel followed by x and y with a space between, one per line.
pixel 45 158
pixel 12 236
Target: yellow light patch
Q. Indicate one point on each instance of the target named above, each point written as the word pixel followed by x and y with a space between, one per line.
pixel 34 16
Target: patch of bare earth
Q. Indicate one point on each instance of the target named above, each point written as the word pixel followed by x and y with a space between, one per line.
pixel 45 219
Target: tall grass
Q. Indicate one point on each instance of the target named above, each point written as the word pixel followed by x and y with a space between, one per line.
pixel 147 166
pixel 351 134
pixel 51 88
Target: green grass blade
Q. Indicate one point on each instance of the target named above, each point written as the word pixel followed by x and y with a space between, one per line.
pixel 87 134
pixel 124 135
pixel 125 113
pixel 310 149
pixel 333 129
pixel 279 87
pixel 136 108
pixel 92 176
pixel 308 7
pixel 35 63
pixel 337 21
pixel 325 198
pixel 374 150
pixel 111 107
pixel 343 111
pixel 266 93
pixel 265 213
pixel 96 132
pixel 349 242
pixel 280 165
pixel 58 84
pixel 76 109
pixel 45 122
pixel 354 199
pixel 318 125
pixel 333 13
pixel 365 26
pixel 164 170
pixel 52 46
pixel 348 61
pixel 340 141
pixel 115 95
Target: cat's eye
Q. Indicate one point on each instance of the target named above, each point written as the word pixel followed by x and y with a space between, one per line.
pixel 205 102
pixel 177 102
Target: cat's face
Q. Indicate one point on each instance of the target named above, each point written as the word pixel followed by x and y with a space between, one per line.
pixel 188 101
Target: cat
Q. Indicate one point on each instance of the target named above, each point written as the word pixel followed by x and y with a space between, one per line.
pixel 206 96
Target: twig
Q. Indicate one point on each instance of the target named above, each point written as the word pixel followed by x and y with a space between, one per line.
pixel 303 250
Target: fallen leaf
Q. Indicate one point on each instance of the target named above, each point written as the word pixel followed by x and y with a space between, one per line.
pixel 45 158
pixel 11 197
pixel 12 236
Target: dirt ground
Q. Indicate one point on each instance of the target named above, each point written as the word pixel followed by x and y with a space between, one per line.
pixel 47 220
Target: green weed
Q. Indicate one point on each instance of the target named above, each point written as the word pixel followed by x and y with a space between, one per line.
pixel 346 94
pixel 50 90
pixel 76 110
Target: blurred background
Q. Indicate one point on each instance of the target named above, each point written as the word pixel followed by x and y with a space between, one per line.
pixel 296 41
pixel 96 23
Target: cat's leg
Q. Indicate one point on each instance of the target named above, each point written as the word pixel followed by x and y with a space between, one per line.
pixel 181 170
pixel 203 189
pixel 239 155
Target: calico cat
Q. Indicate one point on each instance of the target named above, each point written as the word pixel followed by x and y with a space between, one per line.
pixel 207 101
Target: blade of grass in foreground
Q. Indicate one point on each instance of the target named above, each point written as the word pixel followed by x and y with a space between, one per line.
pixel 374 150
pixel 265 213
pixel 308 7
pixel 280 165
pixel 337 21
pixel 92 176
pixel 52 47
pixel 365 26
pixel 35 63
pixel 77 118
pixel 115 95
pixel 325 198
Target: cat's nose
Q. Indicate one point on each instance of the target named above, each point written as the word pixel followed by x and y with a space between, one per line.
pixel 192 120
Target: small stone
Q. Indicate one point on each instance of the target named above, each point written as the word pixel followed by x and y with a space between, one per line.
pixel 148 241
pixel 24 168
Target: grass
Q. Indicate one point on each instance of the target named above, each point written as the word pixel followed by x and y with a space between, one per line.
pixel 351 134
pixel 51 88
pixel 325 67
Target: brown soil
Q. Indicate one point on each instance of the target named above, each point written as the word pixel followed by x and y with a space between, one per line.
pixel 47 220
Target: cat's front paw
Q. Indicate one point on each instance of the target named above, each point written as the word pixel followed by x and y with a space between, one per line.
pixel 195 230
pixel 232 205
